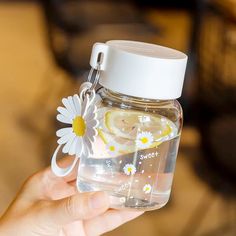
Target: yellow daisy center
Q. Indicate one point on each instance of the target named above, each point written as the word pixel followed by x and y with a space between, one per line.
pixel 144 140
pixel 79 126
pixel 112 148
pixel 129 169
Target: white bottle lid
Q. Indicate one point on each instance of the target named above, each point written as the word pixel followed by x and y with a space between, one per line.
pixel 140 69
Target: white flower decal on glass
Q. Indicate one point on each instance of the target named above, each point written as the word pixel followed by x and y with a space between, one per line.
pixel 129 169
pixel 113 148
pixel 147 188
pixel 144 140
pixel 78 138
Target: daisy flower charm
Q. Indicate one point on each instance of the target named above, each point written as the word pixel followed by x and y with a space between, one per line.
pixel 129 169
pixel 80 114
pixel 79 137
pixel 147 188
pixel 113 148
pixel 144 140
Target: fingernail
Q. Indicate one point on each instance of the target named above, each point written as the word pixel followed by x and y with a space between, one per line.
pixel 99 200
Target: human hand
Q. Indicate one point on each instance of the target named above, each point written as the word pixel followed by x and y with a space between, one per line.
pixel 51 206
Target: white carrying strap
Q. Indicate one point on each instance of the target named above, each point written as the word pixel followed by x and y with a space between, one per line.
pixel 58 170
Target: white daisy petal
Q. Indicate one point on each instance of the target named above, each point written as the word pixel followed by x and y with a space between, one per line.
pixel 77 104
pixel 65 112
pixel 71 102
pixel 72 149
pixel 64 119
pixel 67 105
pixel 79 147
pixel 65 138
pixel 90 111
pixel 91 116
pixel 90 132
pixel 67 146
pixel 94 107
pixel 85 104
pixel 96 132
pixel 64 131
pixel 92 123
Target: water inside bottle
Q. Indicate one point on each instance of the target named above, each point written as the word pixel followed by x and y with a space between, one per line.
pixel 134 160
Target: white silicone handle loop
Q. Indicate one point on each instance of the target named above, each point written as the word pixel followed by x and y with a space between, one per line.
pixel 58 171
pixel 99 48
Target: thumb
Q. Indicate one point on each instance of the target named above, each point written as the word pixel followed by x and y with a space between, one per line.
pixel 78 207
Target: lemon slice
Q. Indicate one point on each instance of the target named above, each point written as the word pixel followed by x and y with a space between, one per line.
pixel 127 124
pixel 123 126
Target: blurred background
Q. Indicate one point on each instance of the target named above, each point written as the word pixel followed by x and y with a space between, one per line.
pixel 44 53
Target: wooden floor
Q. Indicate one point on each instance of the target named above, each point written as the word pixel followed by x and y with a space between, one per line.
pixel 27 125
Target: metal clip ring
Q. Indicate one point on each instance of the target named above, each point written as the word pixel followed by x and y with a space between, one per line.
pixel 96 77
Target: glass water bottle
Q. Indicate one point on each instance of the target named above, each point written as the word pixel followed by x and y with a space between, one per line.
pixel 139 124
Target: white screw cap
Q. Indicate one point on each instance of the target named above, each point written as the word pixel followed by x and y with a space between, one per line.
pixel 140 69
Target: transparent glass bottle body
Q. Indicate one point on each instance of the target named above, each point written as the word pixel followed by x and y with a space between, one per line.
pixel 135 151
